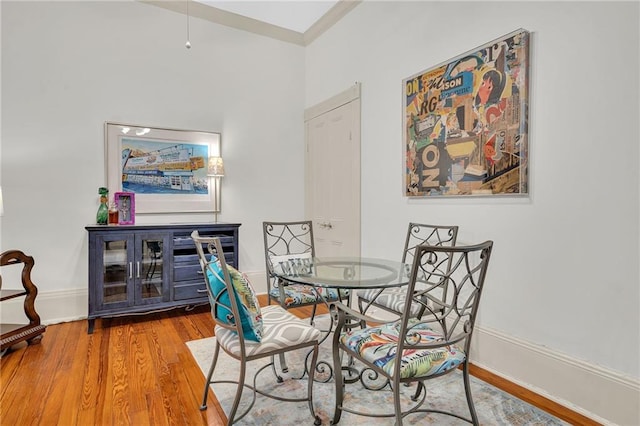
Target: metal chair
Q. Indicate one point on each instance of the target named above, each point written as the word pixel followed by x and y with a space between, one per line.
pixel 393 299
pixel 414 350
pixel 284 242
pixel 281 331
pixel 293 241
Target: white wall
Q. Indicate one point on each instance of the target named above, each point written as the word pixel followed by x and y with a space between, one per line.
pixel 67 67
pixel 564 273
pixel 564 276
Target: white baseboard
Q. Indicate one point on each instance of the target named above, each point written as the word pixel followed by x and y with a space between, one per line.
pixel 600 394
pixel 53 307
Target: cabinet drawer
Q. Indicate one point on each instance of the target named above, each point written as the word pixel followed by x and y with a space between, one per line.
pixel 182 242
pixel 181 259
pixel 190 290
pixel 187 268
pixel 187 272
pixel 187 258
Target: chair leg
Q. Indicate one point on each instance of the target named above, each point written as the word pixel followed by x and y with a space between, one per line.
pixel 313 313
pixel 203 406
pixel 467 391
pixel 283 363
pixel 274 368
pixel 396 402
pixel 236 401
pixel 314 360
pixel 419 388
pixel 337 377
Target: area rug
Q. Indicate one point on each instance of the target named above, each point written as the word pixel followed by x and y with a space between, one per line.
pixel 494 407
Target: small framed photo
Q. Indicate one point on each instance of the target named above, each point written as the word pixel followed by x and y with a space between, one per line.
pixel 126 205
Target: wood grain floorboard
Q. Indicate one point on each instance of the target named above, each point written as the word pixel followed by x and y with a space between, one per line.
pixel 137 371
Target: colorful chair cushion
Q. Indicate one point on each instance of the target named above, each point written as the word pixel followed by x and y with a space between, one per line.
pixel 378 346
pixel 250 315
pixel 301 294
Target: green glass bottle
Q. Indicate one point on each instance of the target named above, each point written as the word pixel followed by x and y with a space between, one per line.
pixel 102 217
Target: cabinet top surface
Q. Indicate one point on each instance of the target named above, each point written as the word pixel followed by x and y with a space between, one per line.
pixel 160 226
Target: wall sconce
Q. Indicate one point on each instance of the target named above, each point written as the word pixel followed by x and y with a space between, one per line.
pixel 215 169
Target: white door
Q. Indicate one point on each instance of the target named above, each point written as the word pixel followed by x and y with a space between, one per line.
pixel 332 195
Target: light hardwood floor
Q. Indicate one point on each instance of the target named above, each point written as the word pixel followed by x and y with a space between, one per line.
pixel 135 370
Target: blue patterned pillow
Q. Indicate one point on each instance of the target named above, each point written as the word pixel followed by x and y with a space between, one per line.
pixel 250 315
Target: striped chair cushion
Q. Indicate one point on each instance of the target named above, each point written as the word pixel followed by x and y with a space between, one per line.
pixel 378 346
pixel 391 298
pixel 300 294
pixel 280 330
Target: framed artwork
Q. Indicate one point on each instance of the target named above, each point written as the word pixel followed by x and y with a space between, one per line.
pixel 466 123
pixel 166 169
pixel 126 206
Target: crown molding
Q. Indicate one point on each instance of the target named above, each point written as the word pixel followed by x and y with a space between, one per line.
pixel 329 19
pixel 234 20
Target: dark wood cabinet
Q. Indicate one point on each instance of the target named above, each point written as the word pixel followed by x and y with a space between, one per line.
pixel 141 268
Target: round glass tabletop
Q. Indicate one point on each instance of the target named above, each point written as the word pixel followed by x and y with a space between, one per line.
pixel 346 272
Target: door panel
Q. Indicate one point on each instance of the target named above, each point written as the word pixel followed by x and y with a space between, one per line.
pixel 333 185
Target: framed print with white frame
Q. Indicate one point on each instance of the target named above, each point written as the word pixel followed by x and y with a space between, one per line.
pixel 466 125
pixel 166 169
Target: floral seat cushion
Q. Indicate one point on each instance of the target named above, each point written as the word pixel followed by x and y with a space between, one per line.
pixel 300 294
pixel 378 346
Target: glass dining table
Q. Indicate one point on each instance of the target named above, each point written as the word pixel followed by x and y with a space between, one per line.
pixel 343 273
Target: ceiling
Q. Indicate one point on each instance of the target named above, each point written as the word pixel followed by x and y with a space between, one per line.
pixel 294 21
pixel 295 15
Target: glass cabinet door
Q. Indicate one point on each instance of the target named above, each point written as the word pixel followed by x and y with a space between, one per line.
pixel 117 271
pixel 152 268
pixel 133 270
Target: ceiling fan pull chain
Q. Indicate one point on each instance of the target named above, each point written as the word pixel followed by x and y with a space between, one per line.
pixel 188 43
